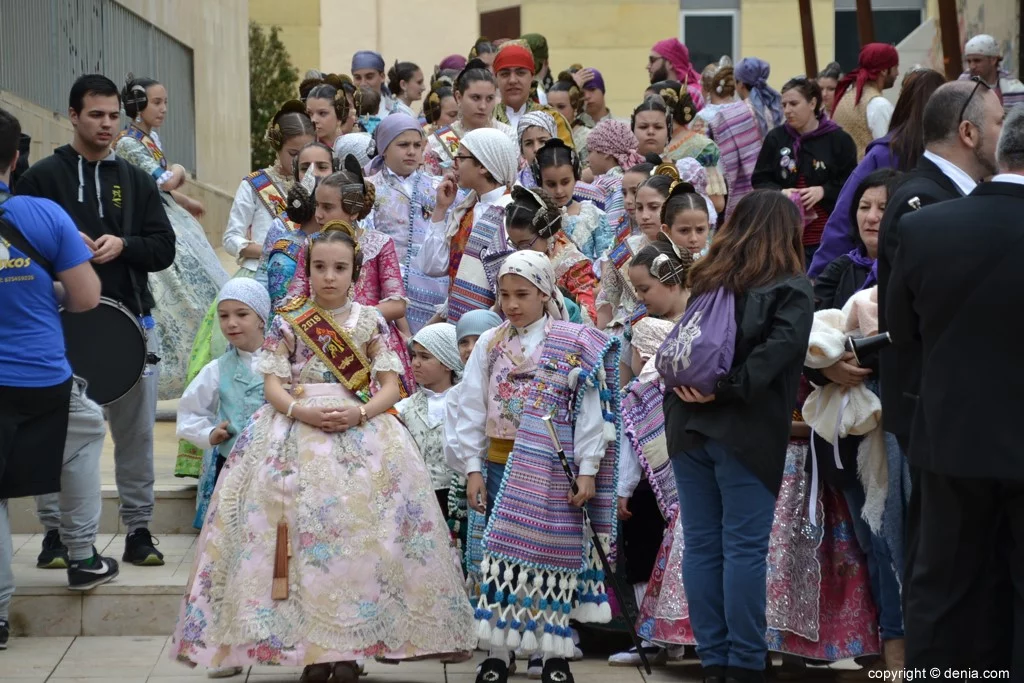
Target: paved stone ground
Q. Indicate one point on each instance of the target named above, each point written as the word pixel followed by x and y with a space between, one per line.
pixel 144 659
pixel 128 659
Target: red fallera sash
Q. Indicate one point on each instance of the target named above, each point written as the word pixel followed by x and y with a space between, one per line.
pixel 333 345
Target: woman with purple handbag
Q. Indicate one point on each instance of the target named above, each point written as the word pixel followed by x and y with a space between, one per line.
pixel 734 363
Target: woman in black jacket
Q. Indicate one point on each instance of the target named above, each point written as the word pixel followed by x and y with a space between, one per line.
pixel 809 155
pixel 840 280
pixel 728 449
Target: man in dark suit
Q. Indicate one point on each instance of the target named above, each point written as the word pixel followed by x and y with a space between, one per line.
pixel 955 289
pixel 961 124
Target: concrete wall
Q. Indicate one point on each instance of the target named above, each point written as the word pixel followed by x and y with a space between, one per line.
pixel 218 33
pixel 49 131
pixel 300 27
pixel 419 31
pixel 614 36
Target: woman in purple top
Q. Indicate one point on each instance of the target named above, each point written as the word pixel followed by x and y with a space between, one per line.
pixel 900 149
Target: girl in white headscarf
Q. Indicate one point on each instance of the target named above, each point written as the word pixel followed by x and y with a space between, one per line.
pixel 535 128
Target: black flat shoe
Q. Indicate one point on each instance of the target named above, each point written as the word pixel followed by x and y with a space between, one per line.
pixel 492 670
pixel 713 674
pixel 556 670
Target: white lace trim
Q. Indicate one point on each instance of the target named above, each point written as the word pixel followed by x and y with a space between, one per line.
pixel 386 361
pixel 274 364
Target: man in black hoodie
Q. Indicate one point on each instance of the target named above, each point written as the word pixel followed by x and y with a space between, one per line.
pixel 94 187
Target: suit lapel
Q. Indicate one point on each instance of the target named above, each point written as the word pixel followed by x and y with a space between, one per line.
pixel 928 168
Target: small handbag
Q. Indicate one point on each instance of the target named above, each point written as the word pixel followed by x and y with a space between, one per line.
pixel 699 350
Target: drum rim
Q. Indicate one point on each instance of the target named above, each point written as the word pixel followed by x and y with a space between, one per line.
pixel 117 305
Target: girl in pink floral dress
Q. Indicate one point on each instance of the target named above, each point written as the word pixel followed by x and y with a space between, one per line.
pixel 345 196
pixel 324 543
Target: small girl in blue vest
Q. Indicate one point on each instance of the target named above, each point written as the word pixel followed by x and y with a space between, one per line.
pixel 220 400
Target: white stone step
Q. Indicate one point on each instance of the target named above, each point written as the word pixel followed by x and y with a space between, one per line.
pixel 173 512
pixel 141 601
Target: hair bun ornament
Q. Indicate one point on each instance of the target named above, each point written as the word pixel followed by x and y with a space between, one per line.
pixel 658 265
pixel 273 134
pixel 339 226
pixel 666 168
pixel 333 80
pixel 678 187
pixel 665 270
pixel 669 96
pixel 134 95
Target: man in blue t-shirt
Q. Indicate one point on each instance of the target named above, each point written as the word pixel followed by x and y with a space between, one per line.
pixel 51 435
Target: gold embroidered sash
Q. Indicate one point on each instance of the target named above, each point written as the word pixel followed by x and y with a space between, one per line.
pixel 332 344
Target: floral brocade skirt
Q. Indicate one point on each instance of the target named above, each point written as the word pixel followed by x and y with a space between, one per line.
pixel 370 572
pixel 819 603
pixel 183 293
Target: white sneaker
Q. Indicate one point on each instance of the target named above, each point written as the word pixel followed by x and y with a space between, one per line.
pixel 677 653
pixel 657 656
pixel 223 671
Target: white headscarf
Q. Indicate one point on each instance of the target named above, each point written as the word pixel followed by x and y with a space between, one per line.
pixel 536 267
pixel 249 292
pixel 440 340
pixel 538 119
pixel 495 151
pixel 356 144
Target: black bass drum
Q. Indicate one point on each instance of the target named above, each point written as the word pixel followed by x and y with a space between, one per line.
pixel 106 347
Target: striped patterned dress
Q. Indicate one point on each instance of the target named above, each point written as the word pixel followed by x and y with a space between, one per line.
pixel 739 141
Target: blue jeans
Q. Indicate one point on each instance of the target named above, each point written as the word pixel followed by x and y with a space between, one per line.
pixel 495 473
pixel 727 516
pixel 885 589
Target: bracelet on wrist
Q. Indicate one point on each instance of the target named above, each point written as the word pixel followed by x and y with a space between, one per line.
pixel 291 407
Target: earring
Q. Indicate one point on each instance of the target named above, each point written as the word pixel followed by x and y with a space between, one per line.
pixel 138 118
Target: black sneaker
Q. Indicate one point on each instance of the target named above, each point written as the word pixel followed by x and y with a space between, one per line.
pixel 96 571
pixel 556 670
pixel 54 554
pixel 140 549
pixel 5 633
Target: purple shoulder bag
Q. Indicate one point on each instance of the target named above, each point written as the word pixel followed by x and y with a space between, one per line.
pixel 698 351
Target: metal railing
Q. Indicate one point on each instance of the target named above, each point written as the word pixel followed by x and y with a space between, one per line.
pixel 46 44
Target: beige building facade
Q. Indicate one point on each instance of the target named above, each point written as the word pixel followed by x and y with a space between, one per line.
pixel 323 34
pixel 615 36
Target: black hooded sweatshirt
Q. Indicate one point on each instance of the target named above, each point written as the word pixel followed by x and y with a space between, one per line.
pixel 91 193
